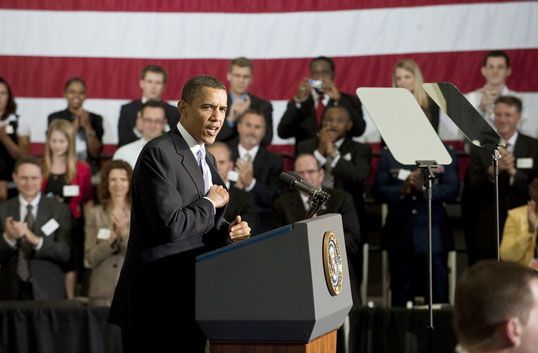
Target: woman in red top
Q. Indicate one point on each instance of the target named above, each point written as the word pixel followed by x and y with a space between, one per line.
pixel 69 180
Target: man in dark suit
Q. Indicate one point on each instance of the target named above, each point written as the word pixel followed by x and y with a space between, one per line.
pixel 241 202
pixel 517 168
pixel 294 206
pixel 177 212
pixel 240 73
pixel 303 114
pixel 257 168
pixel 346 163
pixel 152 83
pixel 35 240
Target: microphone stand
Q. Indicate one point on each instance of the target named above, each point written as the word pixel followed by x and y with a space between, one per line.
pixel 427 171
pixel 496 155
pixel 318 200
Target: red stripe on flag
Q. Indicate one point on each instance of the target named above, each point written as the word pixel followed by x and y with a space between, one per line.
pixel 223 6
pixel 113 78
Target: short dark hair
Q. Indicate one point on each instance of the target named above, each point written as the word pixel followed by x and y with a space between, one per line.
pixel 153 104
pixel 300 155
pixel 72 80
pixel 223 145
pixel 323 58
pixel 240 62
pixel 512 101
pixel 103 195
pixel 487 294
pixel 252 111
pixel 156 69
pixel 194 85
pixel 11 107
pixel 496 54
pixel 27 160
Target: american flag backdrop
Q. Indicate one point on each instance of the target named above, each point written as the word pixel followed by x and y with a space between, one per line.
pixel 107 42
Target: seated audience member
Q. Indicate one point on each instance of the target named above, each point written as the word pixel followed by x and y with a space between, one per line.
pixel 407 74
pixel 346 163
pixel 153 117
pixel 240 74
pixel 303 114
pixel 68 180
pixel 152 83
pixel 294 206
pixel 88 126
pixel 495 69
pixel 517 168
pixel 241 202
pixel 519 235
pixel 35 239
pixel 496 309
pixel 12 145
pixel 405 235
pixel 257 168
pixel 107 225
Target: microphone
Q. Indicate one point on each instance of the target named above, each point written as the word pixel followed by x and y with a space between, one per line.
pixel 295 182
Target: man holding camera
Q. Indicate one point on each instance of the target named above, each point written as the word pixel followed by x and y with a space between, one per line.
pixel 302 117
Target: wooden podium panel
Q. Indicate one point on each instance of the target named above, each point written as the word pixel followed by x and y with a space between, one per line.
pixel 323 344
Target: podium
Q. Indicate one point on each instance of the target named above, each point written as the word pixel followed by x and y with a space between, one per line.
pixel 286 290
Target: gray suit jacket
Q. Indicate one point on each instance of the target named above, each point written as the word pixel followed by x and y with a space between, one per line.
pixel 45 264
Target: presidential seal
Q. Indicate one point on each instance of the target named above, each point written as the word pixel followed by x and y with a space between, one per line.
pixel 332 263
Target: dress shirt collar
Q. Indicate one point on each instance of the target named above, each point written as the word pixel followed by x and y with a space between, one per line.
pixel 23 204
pixel 191 142
pixel 252 152
pixel 512 142
pixel 315 97
pixel 338 143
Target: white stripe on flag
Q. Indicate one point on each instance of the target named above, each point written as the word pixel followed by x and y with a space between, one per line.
pixel 281 35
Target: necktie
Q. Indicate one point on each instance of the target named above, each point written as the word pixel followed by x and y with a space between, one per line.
pixel 23 268
pixel 247 157
pixel 328 179
pixel 204 168
pixel 320 109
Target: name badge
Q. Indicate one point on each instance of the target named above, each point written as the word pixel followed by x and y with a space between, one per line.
pixel 71 190
pixel 347 157
pixel 49 227
pixel 403 174
pixel 524 163
pixel 103 233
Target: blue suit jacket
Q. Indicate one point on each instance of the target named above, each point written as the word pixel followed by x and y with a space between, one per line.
pixel 406 227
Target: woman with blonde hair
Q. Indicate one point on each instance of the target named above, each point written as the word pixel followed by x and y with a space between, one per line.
pixel 107 226
pixel 407 74
pixel 69 180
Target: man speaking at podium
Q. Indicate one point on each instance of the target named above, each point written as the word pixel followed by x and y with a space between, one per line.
pixel 178 201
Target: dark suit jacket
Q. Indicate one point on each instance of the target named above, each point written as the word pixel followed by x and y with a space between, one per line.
pixel 228 133
pixel 350 172
pixel 171 223
pixel 267 166
pixel 127 120
pixel 406 227
pixel 241 203
pixel 478 203
pixel 301 122
pixel 45 265
pixel 289 208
